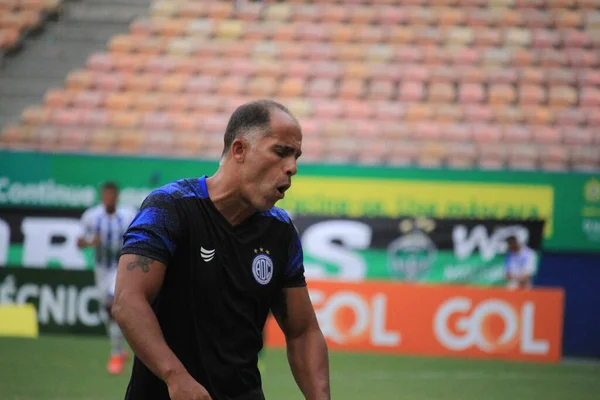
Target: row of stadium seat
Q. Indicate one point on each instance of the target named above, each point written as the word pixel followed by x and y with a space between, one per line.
pixel 281 51
pixel 376 90
pixel 351 127
pixel 162 64
pixel 485 13
pixel 207 104
pixel 332 149
pixel 316 32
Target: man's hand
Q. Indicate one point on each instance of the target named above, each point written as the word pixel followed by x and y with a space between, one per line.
pixel 184 387
pixel 81 242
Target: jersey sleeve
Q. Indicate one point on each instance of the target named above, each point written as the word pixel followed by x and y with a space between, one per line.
pixel 155 230
pixel 294 269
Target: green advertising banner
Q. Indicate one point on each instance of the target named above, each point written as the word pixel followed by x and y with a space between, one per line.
pixel 66 301
pixel 412 249
pixel 568 203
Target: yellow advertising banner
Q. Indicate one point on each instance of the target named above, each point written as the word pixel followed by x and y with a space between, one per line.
pixel 332 196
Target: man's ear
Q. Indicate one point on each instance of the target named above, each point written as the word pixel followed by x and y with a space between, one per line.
pixel 238 150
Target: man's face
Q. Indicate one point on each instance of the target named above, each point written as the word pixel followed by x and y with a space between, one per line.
pixel 109 198
pixel 269 165
pixel 513 246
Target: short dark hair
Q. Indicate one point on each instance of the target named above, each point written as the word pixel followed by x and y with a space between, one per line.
pixel 512 238
pixel 249 117
pixel 110 185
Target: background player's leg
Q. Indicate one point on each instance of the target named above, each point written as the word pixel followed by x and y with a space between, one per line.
pixel 118 355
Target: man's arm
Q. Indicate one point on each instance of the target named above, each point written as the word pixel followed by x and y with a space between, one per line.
pixel 139 280
pixel 88 237
pixel 306 346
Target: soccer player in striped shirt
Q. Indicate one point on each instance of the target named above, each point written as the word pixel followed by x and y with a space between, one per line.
pixel 103 228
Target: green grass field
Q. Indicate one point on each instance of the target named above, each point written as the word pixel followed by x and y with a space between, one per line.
pixel 69 368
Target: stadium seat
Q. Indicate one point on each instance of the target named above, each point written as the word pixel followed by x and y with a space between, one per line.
pixel 88 99
pixel 95 118
pixel 457 132
pixel 508 115
pixel 129 141
pixel 491 156
pixel 471 93
pixel 36 115
pixel 327 109
pixel 58 98
pixel 291 87
pixel 351 89
pixel 300 108
pixel 118 101
pixel 124 119
pixel 517 134
pixel 403 153
pixel 577 136
pixel 382 90
pixel 441 93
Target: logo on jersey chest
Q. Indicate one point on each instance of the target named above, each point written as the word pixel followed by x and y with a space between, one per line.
pixel 262 266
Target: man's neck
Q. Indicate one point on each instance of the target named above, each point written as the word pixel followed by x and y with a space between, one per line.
pixel 223 189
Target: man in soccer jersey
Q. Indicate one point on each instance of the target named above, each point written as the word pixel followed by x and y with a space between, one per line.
pixel 204 262
pixel 520 265
pixel 103 228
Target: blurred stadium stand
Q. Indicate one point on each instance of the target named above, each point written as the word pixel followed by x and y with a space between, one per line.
pixel 434 83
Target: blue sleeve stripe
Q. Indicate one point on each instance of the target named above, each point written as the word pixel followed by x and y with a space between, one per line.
pixel 295 261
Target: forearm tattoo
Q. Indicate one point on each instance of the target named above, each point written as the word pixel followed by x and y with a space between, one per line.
pixel 142 262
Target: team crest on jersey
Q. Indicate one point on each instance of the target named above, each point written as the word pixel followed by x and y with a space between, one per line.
pixel 262 266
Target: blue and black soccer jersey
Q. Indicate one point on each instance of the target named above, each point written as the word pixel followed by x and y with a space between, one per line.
pixel 220 283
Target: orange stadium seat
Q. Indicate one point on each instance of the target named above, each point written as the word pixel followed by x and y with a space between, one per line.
pixel 172 83
pixel 546 135
pixel 447 113
pixel 578 136
pixel 291 87
pixel 129 141
pixel 58 98
pixel 457 132
pixel 300 108
pixel 411 91
pixel 89 99
pixel 570 117
pixel 148 102
pixel 67 117
pixel 554 158
pixel 34 115
pixel 327 109
pixel 124 119
pixel 188 144
pixel 164 8
pixel 96 118
pixel 471 93
pixel 119 101
pixel 350 89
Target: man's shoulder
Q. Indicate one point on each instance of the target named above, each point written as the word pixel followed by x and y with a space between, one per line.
pixel 93 211
pixel 182 188
pixel 278 213
pixel 528 251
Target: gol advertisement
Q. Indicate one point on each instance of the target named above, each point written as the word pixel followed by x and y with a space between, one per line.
pixel 437 320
